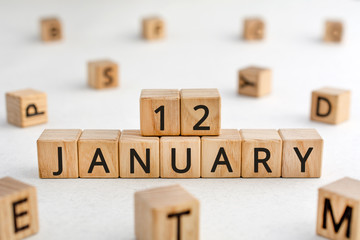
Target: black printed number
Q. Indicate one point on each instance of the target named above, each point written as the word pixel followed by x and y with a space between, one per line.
pixel 206 114
pixel 162 116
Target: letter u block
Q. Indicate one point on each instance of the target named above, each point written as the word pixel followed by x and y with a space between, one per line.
pixel 338 215
pixel 18 209
pixel 166 213
pixel 103 74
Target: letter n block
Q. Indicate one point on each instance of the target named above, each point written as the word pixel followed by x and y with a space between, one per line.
pixel 338 215
pixel 330 105
pixel 254 29
pixel 153 28
pixel 18 209
pixel 333 31
pixel 98 154
pixel 255 82
pixel 26 107
pixel 51 29
pixel 166 213
pixel 103 74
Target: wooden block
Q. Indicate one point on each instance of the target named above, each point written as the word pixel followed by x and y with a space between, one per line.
pixel 139 156
pixel 180 157
pixel 103 74
pixel 254 29
pixel 166 213
pixel 333 31
pixel 58 153
pixel 261 153
pixel 99 154
pixel 153 28
pixel 26 107
pixel 200 112
pixel 51 29
pixel 338 215
pixel 302 153
pixel 330 105
pixel 255 81
pixel 18 209
pixel 221 155
pixel 160 112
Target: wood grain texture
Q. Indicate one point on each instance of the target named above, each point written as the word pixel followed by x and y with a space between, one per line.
pixel 254 29
pixel 103 74
pixel 51 29
pixel 255 81
pixel 333 31
pixel 153 28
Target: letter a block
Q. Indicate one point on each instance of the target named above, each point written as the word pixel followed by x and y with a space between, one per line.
pixel 333 31
pixel 58 153
pixel 50 29
pixel 103 74
pixel 338 215
pixel 166 213
pixel 255 82
pixel 18 210
pixel 153 28
pixel 254 29
pixel 330 105
pixel 26 107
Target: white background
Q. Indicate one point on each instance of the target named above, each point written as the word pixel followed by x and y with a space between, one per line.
pixel 203 49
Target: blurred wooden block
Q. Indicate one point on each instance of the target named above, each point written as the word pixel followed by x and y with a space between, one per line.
pixel 200 112
pixel 153 28
pixel 180 157
pixel 330 105
pixel 160 112
pixel 166 213
pixel 261 153
pixel 333 31
pixel 18 209
pixel 254 29
pixel 338 215
pixel 139 156
pixel 255 82
pixel 302 153
pixel 103 74
pixel 98 154
pixel 221 155
pixel 58 153
pixel 26 107
pixel 51 29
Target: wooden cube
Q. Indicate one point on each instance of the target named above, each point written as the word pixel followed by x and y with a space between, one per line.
pixel 200 112
pixel 330 105
pixel 139 156
pixel 26 107
pixel 333 31
pixel 302 153
pixel 18 209
pixel 58 153
pixel 160 112
pixel 98 154
pixel 261 153
pixel 254 29
pixel 51 29
pixel 153 28
pixel 221 155
pixel 166 213
pixel 338 215
pixel 180 157
pixel 103 74
pixel 255 81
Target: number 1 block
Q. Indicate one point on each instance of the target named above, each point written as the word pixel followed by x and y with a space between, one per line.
pixel 103 74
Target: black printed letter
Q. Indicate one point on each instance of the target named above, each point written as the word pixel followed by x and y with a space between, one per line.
pixel 218 162
pixel 133 154
pixel 178 217
pixel 263 161
pixel 347 215
pixel 318 107
pixel 95 163
pixel 18 215
pixel 60 162
pixel 173 161
pixel 303 159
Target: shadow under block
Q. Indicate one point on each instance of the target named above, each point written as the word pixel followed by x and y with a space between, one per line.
pixel 160 112
pixel 50 29
pixel 333 31
pixel 302 153
pixel 58 153
pixel 180 157
pixel 338 215
pixel 153 28
pixel 330 105
pixel 166 213
pixel 26 107
pixel 18 209
pixel 255 82
pixel 200 112
pixel 103 74
pixel 221 155
pixel 139 156
pixel 254 29
pixel 98 154
pixel 261 153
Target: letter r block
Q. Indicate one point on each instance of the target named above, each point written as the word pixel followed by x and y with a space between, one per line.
pixel 103 74
pixel 166 213
pixel 254 81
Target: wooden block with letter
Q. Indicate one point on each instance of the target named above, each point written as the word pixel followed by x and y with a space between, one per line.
pixel 254 29
pixel 98 154
pixel 58 153
pixel 103 74
pixel 330 105
pixel 166 213
pixel 261 153
pixel 338 215
pixel 333 31
pixel 153 28
pixel 18 210
pixel 180 157
pixel 26 107
pixel 160 112
pixel 221 155
pixel 139 156
pixel 51 29
pixel 255 81
pixel 200 112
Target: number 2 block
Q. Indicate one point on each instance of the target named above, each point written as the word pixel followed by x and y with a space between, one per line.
pixel 103 74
